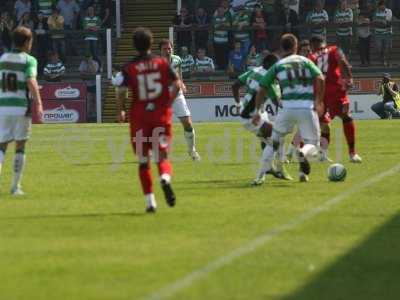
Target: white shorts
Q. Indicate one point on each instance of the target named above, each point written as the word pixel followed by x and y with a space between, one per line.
pixel 15 128
pixel 306 120
pixel 248 124
pixel 180 107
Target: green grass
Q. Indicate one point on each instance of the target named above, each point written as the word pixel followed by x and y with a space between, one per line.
pixel 80 232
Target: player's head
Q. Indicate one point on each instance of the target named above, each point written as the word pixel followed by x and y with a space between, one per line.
pixel 270 60
pixel 22 38
pixel 165 46
pixel 289 43
pixel 386 77
pixel 142 40
pixel 304 48
pixel 317 42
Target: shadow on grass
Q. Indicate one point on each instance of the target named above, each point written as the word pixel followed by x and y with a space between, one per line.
pixel 371 271
pixel 73 216
pixel 105 163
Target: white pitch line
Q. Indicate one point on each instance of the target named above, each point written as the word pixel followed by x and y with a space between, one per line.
pixel 171 289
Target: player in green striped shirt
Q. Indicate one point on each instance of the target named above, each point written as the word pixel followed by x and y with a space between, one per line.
pixel 251 79
pixel 18 72
pixel 297 77
pixel 180 107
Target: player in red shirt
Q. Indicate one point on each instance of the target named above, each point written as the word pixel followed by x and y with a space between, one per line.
pixel 337 70
pixel 150 116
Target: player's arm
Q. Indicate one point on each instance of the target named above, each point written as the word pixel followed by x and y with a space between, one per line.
pixel 319 83
pixel 241 81
pixel 33 86
pixel 265 83
pixel 121 93
pixel 345 68
pixel 175 82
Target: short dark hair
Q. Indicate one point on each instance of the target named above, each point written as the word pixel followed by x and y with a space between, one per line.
pixel 164 42
pixel 317 40
pixel 142 39
pixel 20 36
pixel 270 60
pixel 288 42
pixel 381 2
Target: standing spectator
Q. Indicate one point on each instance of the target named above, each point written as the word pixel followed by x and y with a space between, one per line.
pixel 69 10
pixel 88 70
pixel 237 61
pixel 91 23
pixel 383 31
pixel 252 59
pixel 56 22
pixel 202 22
pixel 290 20
pixel 42 40
pixel 318 19
pixel 203 63
pixel 228 11
pixel 54 69
pixel 6 27
pixel 241 23
pixel 364 39
pixel 344 31
pixel 21 7
pixel 304 48
pixel 44 7
pixel 251 5
pixel 259 23
pixel 187 62
pixel 221 24
pixel 26 21
pixel 387 108
pixel 183 24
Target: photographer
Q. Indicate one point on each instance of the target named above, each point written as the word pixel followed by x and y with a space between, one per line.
pixel 389 90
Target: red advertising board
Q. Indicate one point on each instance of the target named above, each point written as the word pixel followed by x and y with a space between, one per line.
pixel 63 103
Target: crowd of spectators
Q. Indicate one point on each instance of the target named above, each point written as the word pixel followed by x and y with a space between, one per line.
pixel 239 33
pixel 55 24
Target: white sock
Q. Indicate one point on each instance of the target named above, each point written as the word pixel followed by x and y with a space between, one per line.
pixel 266 160
pixel 309 150
pixel 19 163
pixel 190 137
pixel 281 150
pixel 166 177
pixel 150 200
pixel 2 154
pixel 290 150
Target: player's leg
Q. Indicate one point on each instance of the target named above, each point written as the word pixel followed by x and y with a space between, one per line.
pixel 22 131
pixel 308 123
pixel 324 123
pixel 6 129
pixel 349 130
pixel 181 110
pixel 297 142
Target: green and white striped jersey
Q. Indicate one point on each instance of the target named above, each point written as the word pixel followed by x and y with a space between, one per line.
pixel 176 64
pixel 251 79
pixel 344 17
pixel 45 7
pixel 243 34
pixel 316 17
pixel 295 75
pixel 205 64
pixel 187 63
pixel 15 68
pixel 221 36
pixel 384 17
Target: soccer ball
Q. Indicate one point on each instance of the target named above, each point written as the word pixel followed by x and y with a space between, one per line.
pixel 337 172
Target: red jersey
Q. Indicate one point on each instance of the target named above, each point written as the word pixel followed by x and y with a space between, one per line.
pixel 327 59
pixel 149 78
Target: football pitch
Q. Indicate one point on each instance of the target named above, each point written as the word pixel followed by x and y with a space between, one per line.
pixel 81 233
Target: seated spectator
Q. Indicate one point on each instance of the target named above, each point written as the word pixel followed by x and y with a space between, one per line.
pixel 202 23
pixel 26 21
pixel 203 63
pixel 253 58
pixel 187 62
pixel 240 23
pixel 6 27
pixel 318 19
pixel 42 40
pixel 56 22
pixel 183 23
pixel 54 69
pixel 364 39
pixel 88 70
pixel 344 32
pixel 91 23
pixel 237 61
pixel 259 23
pixel 390 105
pixel 21 7
pixel 221 22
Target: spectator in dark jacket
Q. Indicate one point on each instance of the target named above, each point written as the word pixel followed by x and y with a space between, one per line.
pixel 202 22
pixel 183 23
pixel 41 29
pixel 289 19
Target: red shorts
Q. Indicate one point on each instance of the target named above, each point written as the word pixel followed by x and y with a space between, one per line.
pixel 146 137
pixel 336 104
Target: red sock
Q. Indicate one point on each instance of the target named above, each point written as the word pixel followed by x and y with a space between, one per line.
pixel 164 167
pixel 325 140
pixel 350 132
pixel 145 178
